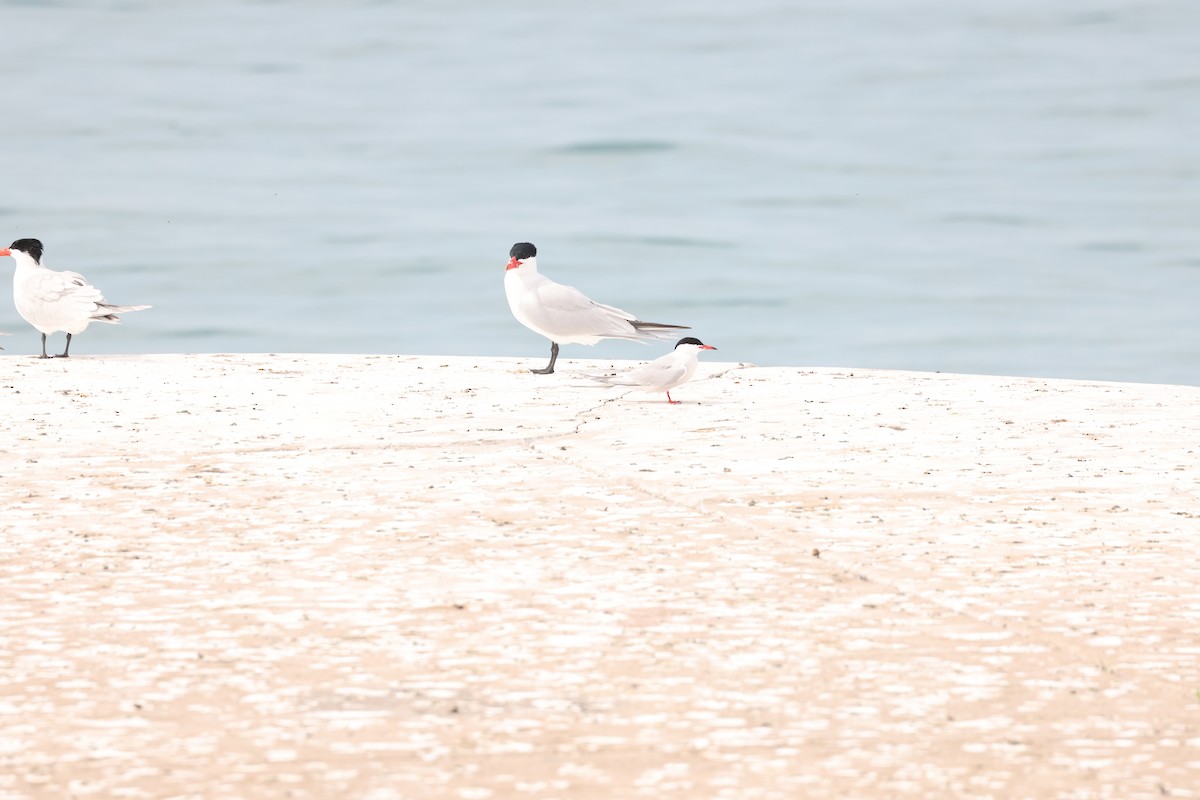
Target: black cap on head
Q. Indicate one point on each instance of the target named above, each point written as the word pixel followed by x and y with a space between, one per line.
pixel 31 246
pixel 522 251
pixel 689 340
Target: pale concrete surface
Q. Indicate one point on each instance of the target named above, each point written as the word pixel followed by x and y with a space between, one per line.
pixel 382 577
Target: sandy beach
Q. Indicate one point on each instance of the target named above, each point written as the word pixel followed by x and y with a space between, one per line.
pixel 315 576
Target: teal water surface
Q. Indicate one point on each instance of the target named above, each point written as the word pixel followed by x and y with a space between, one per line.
pixel 1007 188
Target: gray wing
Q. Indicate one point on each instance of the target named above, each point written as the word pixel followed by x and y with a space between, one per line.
pixel 663 372
pixel 62 297
pixel 565 311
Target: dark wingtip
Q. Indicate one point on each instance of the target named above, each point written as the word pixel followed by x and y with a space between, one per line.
pixel 662 326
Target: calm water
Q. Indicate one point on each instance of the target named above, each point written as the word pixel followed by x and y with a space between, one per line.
pixel 995 187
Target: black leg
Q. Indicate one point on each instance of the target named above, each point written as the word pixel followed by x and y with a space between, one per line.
pixel 44 346
pixel 549 370
pixel 66 349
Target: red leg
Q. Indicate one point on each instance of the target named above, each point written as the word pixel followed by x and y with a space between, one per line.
pixel 672 402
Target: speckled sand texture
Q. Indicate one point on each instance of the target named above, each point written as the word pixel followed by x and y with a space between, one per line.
pixel 257 576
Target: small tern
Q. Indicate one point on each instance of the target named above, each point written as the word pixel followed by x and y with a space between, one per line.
pixel 563 314
pixel 54 301
pixel 663 373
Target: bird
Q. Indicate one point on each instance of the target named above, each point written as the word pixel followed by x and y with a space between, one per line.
pixel 53 301
pixel 565 315
pixel 663 373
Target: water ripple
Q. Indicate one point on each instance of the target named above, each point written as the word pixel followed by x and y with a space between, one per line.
pixel 616 147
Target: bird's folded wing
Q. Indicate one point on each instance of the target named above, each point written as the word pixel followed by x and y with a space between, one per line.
pixel 653 375
pixel 567 311
pixel 67 288
pixel 666 373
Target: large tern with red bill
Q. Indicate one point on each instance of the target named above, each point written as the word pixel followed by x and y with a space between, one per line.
pixel 53 301
pixel 565 315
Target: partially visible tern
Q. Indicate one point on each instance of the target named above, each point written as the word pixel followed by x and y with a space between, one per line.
pixel 54 301
pixel 664 373
pixel 563 314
